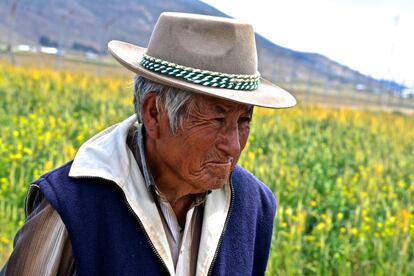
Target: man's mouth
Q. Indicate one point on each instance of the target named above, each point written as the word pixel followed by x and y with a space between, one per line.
pixel 221 162
pixel 223 166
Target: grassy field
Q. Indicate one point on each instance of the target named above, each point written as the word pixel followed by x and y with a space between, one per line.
pixel 344 178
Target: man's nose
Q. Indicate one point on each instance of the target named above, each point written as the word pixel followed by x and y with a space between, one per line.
pixel 229 141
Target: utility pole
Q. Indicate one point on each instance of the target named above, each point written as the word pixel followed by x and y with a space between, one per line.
pixel 293 73
pixel 309 82
pixel 12 20
pixel 392 50
pixel 62 31
pixel 105 28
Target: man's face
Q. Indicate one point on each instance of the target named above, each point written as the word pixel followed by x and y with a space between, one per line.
pixel 207 147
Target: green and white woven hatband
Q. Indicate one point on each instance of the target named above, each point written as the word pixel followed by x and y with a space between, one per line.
pixel 201 77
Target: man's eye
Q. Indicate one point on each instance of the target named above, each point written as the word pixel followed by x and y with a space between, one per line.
pixel 244 120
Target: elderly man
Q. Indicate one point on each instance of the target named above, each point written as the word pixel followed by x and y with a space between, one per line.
pixel 160 193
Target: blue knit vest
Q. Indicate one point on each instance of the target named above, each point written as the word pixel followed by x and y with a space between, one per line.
pixel 107 238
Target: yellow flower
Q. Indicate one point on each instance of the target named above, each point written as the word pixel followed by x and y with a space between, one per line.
pixel 404 217
pixel 80 137
pixel 309 238
pixel 353 231
pixel 4 240
pixel 28 151
pixel 366 228
pixel 52 122
pixel 68 151
pixel 321 226
pixel 15 156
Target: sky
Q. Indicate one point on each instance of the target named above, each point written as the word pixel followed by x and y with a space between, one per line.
pixel 373 37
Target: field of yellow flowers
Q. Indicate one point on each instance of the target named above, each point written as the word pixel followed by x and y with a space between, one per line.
pixel 344 179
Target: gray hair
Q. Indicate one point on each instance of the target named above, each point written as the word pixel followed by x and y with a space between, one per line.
pixel 173 99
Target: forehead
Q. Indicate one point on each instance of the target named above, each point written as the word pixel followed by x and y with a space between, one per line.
pixel 208 104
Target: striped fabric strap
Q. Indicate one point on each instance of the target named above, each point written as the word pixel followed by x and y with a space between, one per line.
pixel 201 77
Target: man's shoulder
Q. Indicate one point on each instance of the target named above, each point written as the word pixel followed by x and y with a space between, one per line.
pixel 51 182
pixel 240 174
pixel 249 186
pixel 60 181
pixel 59 172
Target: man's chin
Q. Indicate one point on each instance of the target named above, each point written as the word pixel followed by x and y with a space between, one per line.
pixel 213 176
pixel 218 182
pixel 219 170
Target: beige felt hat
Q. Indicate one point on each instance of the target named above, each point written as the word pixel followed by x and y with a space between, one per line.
pixel 204 54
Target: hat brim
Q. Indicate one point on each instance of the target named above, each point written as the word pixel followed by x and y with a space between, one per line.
pixel 267 95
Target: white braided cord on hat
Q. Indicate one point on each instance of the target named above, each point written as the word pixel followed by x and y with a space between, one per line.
pixel 201 77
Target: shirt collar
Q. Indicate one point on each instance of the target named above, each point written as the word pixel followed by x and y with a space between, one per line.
pixel 149 180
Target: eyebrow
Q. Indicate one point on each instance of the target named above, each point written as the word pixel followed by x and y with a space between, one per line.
pixel 220 109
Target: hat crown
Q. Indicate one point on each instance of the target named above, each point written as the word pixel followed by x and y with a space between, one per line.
pixel 205 42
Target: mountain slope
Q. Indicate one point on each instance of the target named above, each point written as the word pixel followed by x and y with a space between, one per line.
pixel 91 23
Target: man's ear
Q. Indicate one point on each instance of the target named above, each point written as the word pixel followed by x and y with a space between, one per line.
pixel 151 115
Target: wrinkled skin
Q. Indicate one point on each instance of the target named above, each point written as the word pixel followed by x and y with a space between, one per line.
pixel 202 154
